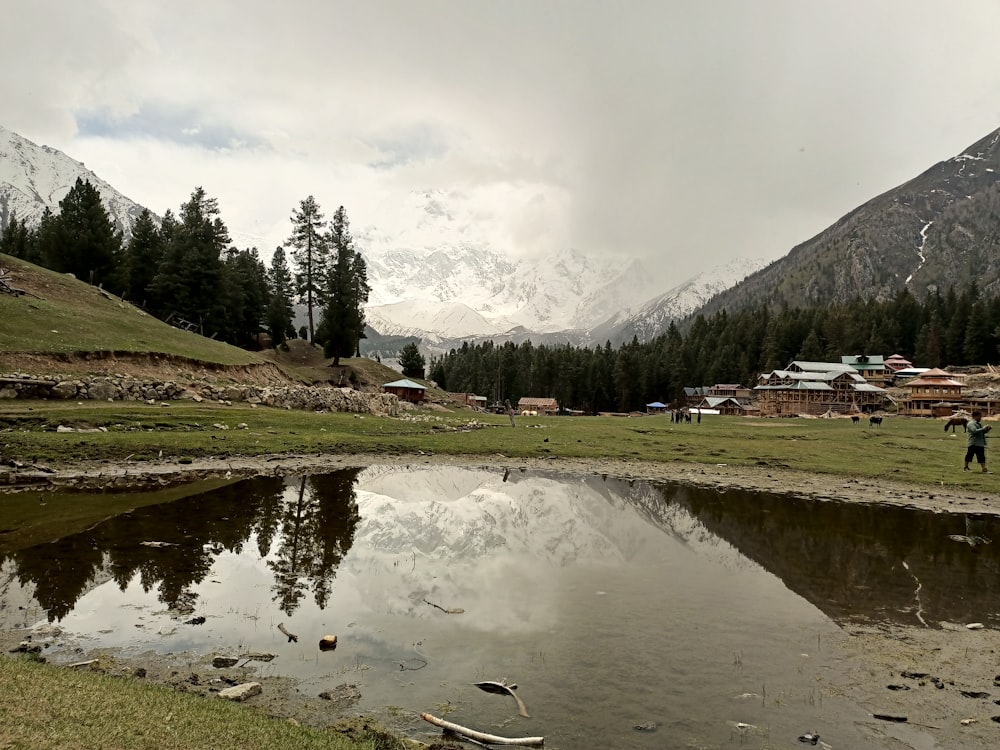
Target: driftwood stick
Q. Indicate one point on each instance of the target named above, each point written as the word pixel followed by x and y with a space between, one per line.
pixel 292 638
pixel 82 663
pixel 490 739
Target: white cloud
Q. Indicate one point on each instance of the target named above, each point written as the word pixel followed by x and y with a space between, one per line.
pixel 688 131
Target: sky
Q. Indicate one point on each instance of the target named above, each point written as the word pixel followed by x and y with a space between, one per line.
pixel 682 132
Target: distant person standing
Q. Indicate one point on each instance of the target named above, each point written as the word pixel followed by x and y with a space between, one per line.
pixel 976 432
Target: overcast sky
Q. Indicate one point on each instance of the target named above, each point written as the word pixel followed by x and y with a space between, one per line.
pixel 689 131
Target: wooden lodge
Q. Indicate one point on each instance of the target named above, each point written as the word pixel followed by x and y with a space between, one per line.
pixel 816 388
pixel 933 392
pixel 538 405
pixel 406 390
pixel 726 405
pixel 871 367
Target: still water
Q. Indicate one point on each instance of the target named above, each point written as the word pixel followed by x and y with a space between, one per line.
pixel 611 604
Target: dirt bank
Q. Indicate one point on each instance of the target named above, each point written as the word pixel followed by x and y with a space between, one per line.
pixel 944 678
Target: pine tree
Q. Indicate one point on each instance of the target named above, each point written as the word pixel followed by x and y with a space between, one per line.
pixel 142 257
pixel 19 241
pixel 279 309
pixel 246 297
pixel 310 253
pixel 189 281
pixel 85 242
pixel 343 322
pixel 412 361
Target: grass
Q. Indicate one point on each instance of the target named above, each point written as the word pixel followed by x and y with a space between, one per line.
pixel 51 707
pixel 63 316
pixel 909 450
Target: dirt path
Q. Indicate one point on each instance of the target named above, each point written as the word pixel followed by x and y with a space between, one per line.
pixel 951 686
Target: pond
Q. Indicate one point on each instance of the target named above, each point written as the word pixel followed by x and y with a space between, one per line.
pixel 629 614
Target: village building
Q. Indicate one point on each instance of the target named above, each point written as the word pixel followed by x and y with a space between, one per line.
pixel 897 362
pixel 741 393
pixel 870 366
pixel 933 393
pixel 406 390
pixel 694 394
pixel 538 405
pixel 469 399
pixel 816 388
pixel 722 405
pixel 657 407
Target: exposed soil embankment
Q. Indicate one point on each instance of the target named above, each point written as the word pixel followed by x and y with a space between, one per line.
pixel 140 365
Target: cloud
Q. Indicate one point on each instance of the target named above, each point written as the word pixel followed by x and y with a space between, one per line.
pixel 690 132
pixel 167 125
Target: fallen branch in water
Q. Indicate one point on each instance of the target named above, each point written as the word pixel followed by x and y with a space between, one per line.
pixel 490 739
pixel 455 611
pixel 292 638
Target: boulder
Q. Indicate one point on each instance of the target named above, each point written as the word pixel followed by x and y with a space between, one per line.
pixel 64 389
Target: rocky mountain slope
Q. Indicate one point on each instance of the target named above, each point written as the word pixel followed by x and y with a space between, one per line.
pixel 33 178
pixel 941 228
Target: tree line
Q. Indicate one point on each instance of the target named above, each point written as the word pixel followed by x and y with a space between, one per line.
pixel 956 328
pixel 186 271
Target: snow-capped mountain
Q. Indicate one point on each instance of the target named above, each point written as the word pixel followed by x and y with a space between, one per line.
pixel 33 178
pixel 441 279
pixel 435 276
pixel 648 319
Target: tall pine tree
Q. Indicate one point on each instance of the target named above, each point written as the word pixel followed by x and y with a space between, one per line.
pixel 85 242
pixel 189 281
pixel 343 323
pixel 279 309
pixel 310 252
pixel 142 257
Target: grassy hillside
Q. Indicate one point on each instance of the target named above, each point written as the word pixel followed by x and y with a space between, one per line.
pixel 63 325
pixel 61 315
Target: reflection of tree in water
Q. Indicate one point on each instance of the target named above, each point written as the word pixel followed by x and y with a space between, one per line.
pixel 60 572
pixel 193 532
pixel 318 527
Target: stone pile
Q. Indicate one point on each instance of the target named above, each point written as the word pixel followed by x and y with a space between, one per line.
pixel 121 388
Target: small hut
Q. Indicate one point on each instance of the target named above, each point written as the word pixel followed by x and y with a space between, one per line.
pixel 406 390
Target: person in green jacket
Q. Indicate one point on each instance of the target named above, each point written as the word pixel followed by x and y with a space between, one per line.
pixel 977 440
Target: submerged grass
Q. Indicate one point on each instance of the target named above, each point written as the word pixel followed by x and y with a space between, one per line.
pixel 50 707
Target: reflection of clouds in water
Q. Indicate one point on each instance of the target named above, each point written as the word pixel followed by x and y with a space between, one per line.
pixel 466 538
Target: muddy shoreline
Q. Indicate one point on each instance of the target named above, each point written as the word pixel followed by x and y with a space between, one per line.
pixel 953 703
pixel 776 479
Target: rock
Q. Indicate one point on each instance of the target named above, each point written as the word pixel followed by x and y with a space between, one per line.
pixel 65 389
pixel 224 662
pixel 342 695
pixel 241 692
pixel 102 391
pixel 328 643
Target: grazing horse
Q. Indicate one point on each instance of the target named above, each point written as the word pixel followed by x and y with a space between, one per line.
pixel 955 422
pixel 855 419
pixel 875 422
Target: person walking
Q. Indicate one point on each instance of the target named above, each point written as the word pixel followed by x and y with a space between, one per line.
pixel 976 432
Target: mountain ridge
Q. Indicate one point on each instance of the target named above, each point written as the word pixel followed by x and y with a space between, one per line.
pixel 939 229
pixel 33 178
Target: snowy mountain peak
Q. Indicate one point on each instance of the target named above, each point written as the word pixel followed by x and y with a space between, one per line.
pixel 33 178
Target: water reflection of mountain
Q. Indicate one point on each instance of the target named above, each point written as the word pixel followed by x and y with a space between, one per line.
pixel 471 526
pixel 855 561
